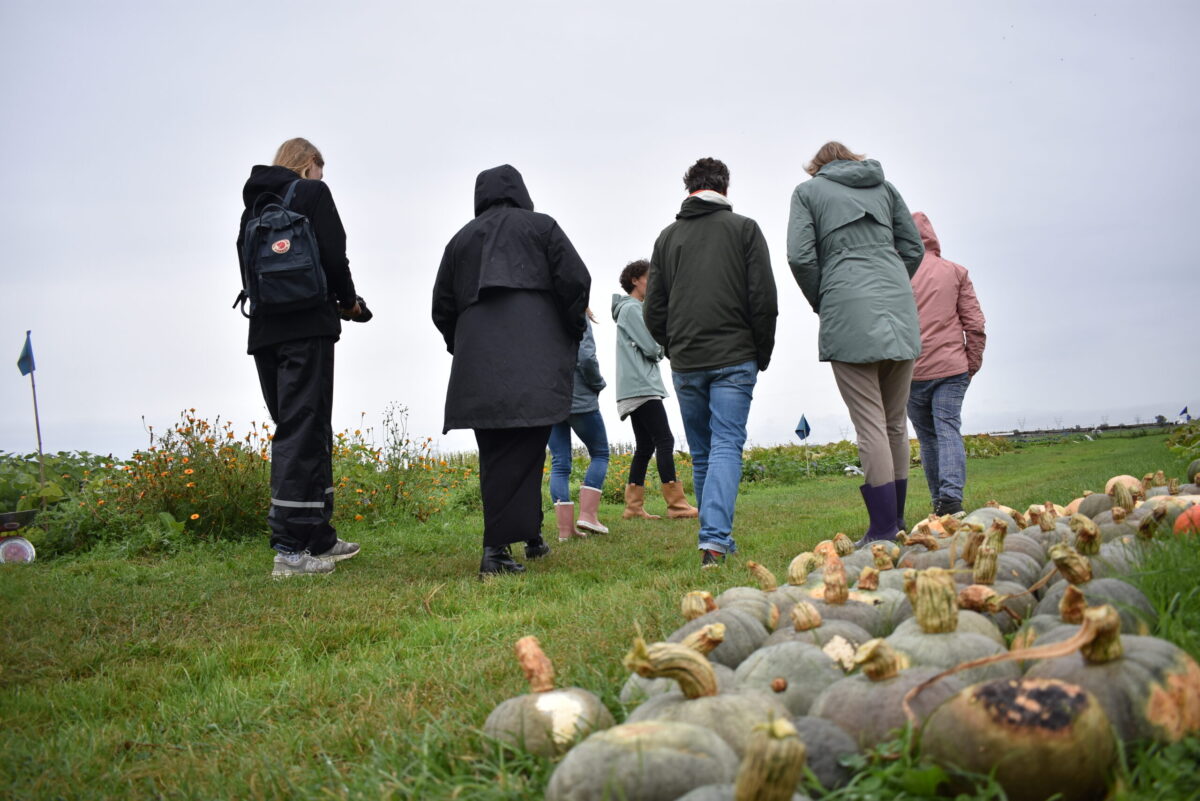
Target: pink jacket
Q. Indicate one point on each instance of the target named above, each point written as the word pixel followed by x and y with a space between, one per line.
pixel 952 335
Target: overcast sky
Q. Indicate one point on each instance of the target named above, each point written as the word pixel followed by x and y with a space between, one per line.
pixel 1050 144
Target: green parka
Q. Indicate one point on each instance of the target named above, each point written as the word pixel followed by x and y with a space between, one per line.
pixel 853 249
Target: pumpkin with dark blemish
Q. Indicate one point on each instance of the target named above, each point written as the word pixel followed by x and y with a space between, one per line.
pixel 1036 736
pixel 1150 688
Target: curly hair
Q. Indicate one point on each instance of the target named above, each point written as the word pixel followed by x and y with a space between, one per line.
pixel 633 271
pixel 707 174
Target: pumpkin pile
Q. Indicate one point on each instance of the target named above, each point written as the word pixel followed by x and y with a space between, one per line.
pixel 1006 639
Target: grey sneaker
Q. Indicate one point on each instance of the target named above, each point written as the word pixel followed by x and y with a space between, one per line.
pixel 300 564
pixel 340 550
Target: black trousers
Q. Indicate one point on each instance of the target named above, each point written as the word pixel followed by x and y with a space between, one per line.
pixel 297 383
pixel 510 479
pixel 651 435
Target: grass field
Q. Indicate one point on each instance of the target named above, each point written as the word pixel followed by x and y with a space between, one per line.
pixel 197 677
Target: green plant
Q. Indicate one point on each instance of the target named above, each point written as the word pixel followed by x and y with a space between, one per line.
pixel 1184 440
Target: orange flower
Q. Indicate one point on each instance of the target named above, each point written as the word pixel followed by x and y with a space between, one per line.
pixel 358 517
pixel 190 484
pixel 188 472
pixel 195 516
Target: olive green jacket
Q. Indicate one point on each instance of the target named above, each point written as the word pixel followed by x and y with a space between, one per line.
pixel 853 249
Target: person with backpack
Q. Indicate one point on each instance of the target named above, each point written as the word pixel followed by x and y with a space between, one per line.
pixel 296 277
pixel 588 424
pixel 509 300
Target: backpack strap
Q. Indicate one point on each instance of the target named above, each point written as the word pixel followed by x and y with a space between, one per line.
pixel 291 190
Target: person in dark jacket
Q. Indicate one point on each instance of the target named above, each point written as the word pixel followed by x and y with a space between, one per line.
pixel 509 300
pixel 588 424
pixel 853 249
pixel 293 352
pixel 711 303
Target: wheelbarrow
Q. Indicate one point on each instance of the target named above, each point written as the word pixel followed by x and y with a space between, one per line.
pixel 13 547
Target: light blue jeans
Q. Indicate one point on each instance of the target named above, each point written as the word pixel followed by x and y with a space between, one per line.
pixel 935 409
pixel 590 428
pixel 714 405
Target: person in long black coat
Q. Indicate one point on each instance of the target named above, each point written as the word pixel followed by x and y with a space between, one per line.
pixel 509 300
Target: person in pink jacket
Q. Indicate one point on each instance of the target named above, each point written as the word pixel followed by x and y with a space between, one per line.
pixel 952 340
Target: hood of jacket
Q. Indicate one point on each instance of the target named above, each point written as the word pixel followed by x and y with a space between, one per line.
pixel 928 237
pixel 621 301
pixel 857 174
pixel 701 203
pixel 501 185
pixel 264 179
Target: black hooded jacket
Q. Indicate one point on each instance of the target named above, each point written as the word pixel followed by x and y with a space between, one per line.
pixel 314 200
pixel 509 300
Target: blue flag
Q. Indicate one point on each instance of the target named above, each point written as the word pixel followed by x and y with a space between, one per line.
pixel 802 429
pixel 25 360
pixel 1184 412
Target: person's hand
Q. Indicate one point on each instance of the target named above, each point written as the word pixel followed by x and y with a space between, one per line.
pixel 356 310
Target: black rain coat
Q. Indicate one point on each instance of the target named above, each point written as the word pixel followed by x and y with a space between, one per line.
pixel 509 300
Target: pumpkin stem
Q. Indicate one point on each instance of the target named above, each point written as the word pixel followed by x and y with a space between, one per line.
pixel 868 579
pixel 843 544
pixel 1173 487
pixel 879 660
pixel 974 540
pixel 697 603
pixel 996 534
pixel 1094 620
pixel 1107 644
pixel 689 668
pixel 1074 567
pixel 825 548
pixel 1150 523
pixel 1118 514
pixel 1122 496
pixel 950 524
pixel 805 616
pixel 923 538
pixel 538 669
pixel 986 562
pixel 982 598
pixel 936 603
pixel 1160 479
pixel 837 591
pixel 766 579
pixel 800 567
pixel 881 557
pixel 773 764
pixel 706 639
pixel 1072 605
pixel 1087 535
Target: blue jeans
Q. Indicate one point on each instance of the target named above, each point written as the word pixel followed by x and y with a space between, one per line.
pixel 714 405
pixel 590 428
pixel 935 408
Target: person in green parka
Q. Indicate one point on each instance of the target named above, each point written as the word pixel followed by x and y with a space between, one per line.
pixel 853 248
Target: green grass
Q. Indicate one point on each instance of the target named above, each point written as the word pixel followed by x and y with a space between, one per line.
pixel 196 676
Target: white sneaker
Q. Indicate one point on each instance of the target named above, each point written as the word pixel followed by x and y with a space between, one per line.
pixel 340 550
pixel 300 564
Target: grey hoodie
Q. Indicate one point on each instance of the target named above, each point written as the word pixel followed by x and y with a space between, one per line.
pixel 638 354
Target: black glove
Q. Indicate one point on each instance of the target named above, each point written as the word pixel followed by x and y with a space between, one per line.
pixel 364 315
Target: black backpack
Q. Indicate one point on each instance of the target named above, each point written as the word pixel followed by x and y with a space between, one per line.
pixel 281 266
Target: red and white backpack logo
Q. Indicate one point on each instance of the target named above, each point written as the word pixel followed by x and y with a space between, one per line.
pixel 282 246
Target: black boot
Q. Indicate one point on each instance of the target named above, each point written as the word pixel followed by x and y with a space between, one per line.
pixel 498 560
pixel 881 508
pixel 901 497
pixel 536 548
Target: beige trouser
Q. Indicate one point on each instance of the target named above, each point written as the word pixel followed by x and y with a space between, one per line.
pixel 876 395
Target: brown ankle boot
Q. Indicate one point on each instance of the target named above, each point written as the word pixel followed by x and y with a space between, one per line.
pixel 564 515
pixel 677 504
pixel 635 496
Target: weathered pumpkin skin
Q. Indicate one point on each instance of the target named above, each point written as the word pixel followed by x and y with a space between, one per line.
pixel 1137 613
pixel 646 761
pixel 986 515
pixel 752 600
pixel 826 744
pixel 548 723
pixel 945 650
pixel 869 711
pixel 1037 737
pixel 1096 503
pixel 852 633
pixel 770 771
pixel 1151 691
pixel 1023 543
pixel 744 633
pixel 968 621
pixel 732 716
pixel 804 669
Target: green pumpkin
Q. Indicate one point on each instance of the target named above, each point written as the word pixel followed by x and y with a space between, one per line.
pixel 770 771
pixel 807 626
pixel 1037 737
pixel 826 745
pixel 794 672
pixel 1138 615
pixel 646 761
pixel 744 633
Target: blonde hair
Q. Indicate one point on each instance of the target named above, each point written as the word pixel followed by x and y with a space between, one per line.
pixel 298 155
pixel 591 314
pixel 831 151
